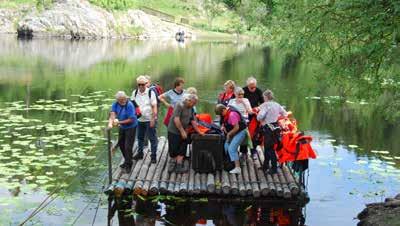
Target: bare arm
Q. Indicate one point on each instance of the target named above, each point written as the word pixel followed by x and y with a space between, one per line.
pixel 111 119
pixel 163 100
pixel 179 126
pixel 233 131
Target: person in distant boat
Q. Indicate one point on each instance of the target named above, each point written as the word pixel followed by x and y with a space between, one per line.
pixel 228 94
pixel 235 127
pixel 147 102
pixel 123 115
pixel 173 96
pixel 182 118
pixel 268 117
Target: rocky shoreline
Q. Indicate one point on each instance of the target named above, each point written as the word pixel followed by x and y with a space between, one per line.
pixel 78 19
pixel 384 213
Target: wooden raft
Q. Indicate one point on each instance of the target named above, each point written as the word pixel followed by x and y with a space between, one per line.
pixel 153 179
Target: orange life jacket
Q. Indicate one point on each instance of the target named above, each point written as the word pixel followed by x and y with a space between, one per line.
pixel 201 117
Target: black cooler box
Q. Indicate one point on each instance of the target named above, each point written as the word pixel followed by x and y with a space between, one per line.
pixel 207 153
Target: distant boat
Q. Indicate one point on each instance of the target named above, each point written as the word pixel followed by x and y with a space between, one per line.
pixel 180 36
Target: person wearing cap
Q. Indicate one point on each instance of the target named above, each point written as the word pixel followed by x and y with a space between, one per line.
pixel 235 127
pixel 147 103
pixel 123 115
pixel 268 117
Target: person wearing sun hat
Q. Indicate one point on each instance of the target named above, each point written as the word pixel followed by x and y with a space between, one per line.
pixel 123 115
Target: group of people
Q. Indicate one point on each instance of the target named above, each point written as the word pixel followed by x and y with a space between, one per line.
pixel 236 107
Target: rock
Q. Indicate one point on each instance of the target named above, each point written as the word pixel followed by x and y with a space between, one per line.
pixel 389 199
pixel 8 20
pixel 69 18
pixel 395 203
pixel 397 197
pixel 386 213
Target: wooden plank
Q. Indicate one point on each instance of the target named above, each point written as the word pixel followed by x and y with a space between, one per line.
pixel 210 183
pixel 197 184
pixel 242 187
pixel 161 167
pixel 263 181
pixel 279 190
pixel 286 192
pixel 218 184
pixel 191 181
pixel 253 178
pixel 177 183
pixel 122 184
pixel 185 179
pixel 203 183
pixel 137 187
pixel 171 183
pixel 246 177
pixel 234 184
pixel 271 184
pixel 163 186
pixel 294 188
pixel 116 176
pixel 226 186
pixel 154 168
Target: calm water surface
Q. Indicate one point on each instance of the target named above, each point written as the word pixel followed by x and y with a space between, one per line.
pixel 54 98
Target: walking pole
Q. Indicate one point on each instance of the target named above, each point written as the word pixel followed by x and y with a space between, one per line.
pixel 109 174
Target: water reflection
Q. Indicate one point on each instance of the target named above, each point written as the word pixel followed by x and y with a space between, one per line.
pixel 212 213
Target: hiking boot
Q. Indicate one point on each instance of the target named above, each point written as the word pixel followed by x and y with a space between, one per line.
pixel 236 170
pixel 171 165
pixel 153 160
pixel 138 156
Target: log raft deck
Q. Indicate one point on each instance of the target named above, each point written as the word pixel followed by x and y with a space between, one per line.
pixel 252 185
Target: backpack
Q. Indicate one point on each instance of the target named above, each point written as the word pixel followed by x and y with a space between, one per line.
pixel 158 90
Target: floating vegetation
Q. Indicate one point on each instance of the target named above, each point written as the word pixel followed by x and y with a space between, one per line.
pixel 42 152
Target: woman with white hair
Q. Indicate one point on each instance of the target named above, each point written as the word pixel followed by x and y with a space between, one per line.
pixel 123 115
pixel 268 117
pixel 241 103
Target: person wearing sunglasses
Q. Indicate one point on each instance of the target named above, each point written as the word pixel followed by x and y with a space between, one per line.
pixel 147 102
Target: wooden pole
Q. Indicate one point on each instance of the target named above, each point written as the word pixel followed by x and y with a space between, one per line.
pixel 218 185
pixel 164 178
pixel 134 174
pixel 253 178
pixel 171 183
pixel 154 168
pixel 109 175
pixel 185 179
pixel 289 177
pixel 203 182
pixel 271 184
pixel 178 180
pixel 210 183
pixel 234 184
pixel 226 186
pixel 279 190
pixel 137 187
pixel 191 181
pixel 161 167
pixel 246 177
pixel 197 184
pixel 286 192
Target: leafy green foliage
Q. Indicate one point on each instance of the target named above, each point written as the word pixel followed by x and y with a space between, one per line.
pixel 113 4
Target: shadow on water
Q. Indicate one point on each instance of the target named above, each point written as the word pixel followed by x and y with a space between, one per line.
pixel 138 212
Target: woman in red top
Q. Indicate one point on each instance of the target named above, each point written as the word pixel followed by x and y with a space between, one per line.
pixel 228 94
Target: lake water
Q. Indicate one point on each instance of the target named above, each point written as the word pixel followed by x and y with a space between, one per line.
pixel 55 95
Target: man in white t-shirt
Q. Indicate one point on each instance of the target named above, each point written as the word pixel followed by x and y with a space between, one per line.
pixel 147 102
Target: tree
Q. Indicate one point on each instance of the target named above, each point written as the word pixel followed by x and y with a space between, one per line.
pixel 212 9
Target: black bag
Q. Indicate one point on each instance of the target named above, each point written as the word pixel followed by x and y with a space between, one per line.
pixel 207 153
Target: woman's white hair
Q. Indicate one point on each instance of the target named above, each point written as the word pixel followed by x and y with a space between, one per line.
pixel 238 90
pixel 251 80
pixel 141 79
pixel 120 94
